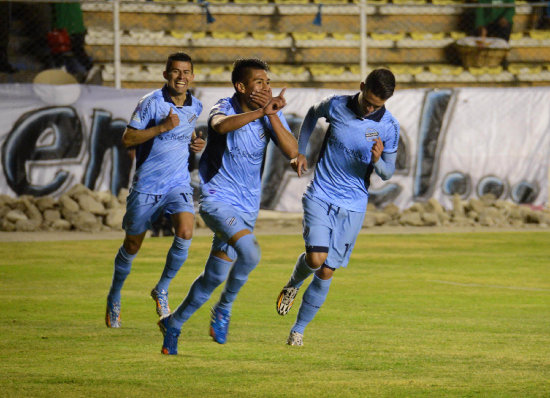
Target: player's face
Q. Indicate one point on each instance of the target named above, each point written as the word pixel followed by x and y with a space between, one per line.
pixel 368 102
pixel 257 81
pixel 178 77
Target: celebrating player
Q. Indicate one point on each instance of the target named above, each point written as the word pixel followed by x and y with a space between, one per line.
pixel 362 137
pixel 239 129
pixel 162 130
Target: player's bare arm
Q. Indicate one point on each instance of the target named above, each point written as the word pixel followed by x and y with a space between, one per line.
pixel 132 137
pixel 287 142
pixel 299 164
pixel 197 142
pixel 223 124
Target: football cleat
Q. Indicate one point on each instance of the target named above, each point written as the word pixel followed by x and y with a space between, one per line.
pixel 161 299
pixel 170 343
pixel 219 325
pixel 296 339
pixel 286 299
pixel 112 315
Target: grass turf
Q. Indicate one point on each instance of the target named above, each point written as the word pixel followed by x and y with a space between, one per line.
pixel 439 315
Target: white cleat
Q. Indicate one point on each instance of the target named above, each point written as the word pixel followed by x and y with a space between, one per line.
pixel 296 339
pixel 286 299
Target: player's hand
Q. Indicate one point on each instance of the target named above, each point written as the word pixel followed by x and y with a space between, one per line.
pixel 276 104
pixel 261 97
pixel 171 121
pixel 197 142
pixel 299 164
pixel 376 150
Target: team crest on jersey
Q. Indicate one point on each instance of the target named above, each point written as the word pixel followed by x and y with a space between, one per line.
pixel 191 118
pixel 371 135
pixel 230 221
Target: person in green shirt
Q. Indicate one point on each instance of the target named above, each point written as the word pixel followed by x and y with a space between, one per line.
pixel 494 21
pixel 68 16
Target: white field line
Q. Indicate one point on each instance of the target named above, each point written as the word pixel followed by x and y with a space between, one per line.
pixel 531 289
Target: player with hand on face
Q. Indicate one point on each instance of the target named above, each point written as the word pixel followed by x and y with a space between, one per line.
pixel 239 129
pixel 161 132
pixel 362 137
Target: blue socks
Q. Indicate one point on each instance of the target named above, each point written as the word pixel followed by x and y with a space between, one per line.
pixel 123 264
pixel 174 260
pixel 313 299
pixel 215 272
pixel 248 256
pixel 301 272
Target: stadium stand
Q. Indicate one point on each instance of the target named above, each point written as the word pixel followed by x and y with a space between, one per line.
pixel 415 38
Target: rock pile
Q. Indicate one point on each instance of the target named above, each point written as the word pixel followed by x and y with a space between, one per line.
pixel 84 210
pixel 485 211
pixel 78 209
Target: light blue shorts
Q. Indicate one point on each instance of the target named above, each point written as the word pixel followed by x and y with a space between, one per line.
pixel 142 208
pixel 330 229
pixel 225 221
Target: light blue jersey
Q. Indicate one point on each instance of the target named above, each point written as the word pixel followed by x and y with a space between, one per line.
pixel 162 162
pixel 344 168
pixel 230 167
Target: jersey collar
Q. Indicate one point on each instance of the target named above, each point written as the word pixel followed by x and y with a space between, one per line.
pixel 353 105
pixel 167 98
pixel 235 104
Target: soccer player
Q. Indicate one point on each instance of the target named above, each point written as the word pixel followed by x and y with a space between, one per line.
pixel 239 129
pixel 162 130
pixel 362 137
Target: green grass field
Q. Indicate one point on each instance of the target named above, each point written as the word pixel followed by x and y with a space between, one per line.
pixel 413 315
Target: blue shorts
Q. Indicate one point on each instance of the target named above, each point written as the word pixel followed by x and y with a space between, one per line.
pixel 330 229
pixel 225 221
pixel 142 208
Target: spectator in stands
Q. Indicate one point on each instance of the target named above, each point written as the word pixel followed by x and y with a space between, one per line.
pixel 68 16
pixel 494 21
pixel 5 66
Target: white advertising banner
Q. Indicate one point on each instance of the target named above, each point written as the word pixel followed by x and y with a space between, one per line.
pixel 469 141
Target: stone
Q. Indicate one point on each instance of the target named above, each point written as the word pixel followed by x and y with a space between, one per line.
pixel 67 203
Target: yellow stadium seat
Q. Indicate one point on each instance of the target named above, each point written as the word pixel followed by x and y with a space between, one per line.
pixel 269 35
pixel 457 35
pixel 539 34
pixel 309 35
pixel 406 69
pixel 251 1
pixel 387 36
pixel 445 69
pixel 447 2
pixel 198 35
pixel 180 34
pixel 317 70
pixel 516 36
pixel 291 1
pixel 229 35
pixel 409 1
pixel 520 68
pixel 330 1
pixel 427 36
pixel 346 36
pixel 287 69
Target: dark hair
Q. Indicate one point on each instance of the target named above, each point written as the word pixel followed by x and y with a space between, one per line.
pixel 241 67
pixel 178 57
pixel 381 82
